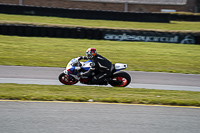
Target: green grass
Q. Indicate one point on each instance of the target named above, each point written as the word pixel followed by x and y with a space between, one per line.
pixel 98 94
pixel 140 56
pixel 41 20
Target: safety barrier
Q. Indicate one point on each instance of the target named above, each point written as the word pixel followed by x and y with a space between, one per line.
pixel 181 17
pixel 48 31
pixel 85 14
pixel 99 33
pixel 91 14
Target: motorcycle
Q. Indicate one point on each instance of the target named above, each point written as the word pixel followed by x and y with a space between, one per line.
pixel 69 76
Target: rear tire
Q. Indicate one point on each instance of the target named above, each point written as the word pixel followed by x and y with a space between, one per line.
pixel 120 79
pixel 64 78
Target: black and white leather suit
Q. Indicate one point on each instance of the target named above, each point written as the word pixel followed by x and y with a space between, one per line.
pixel 101 65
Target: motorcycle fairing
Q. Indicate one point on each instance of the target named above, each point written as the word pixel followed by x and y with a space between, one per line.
pixel 86 65
pixel 72 69
pixel 120 66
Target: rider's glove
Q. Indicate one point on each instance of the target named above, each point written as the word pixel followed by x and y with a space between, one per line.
pixel 80 58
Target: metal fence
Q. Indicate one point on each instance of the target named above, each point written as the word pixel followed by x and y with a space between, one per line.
pixel 160 2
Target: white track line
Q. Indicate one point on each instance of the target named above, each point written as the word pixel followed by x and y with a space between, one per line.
pixel 132 85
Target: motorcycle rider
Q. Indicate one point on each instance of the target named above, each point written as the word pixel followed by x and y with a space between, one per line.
pixel 99 64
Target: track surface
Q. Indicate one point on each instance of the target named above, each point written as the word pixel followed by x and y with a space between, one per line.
pixel 148 80
pixel 53 117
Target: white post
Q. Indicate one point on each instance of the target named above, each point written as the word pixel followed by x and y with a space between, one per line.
pixel 126 6
pixel 195 9
pixel 20 2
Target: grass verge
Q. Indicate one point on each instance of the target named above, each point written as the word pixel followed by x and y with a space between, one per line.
pixel 41 20
pixel 98 94
pixel 140 56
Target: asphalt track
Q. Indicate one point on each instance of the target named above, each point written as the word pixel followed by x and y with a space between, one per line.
pixel 63 117
pixel 148 80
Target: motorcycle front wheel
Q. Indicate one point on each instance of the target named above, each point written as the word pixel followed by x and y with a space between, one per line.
pixel 65 79
pixel 120 79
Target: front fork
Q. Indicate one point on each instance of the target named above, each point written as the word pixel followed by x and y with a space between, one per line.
pixel 71 75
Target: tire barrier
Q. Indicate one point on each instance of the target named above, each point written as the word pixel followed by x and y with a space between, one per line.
pixel 49 31
pixel 179 17
pixel 99 34
pixel 92 14
pixel 85 14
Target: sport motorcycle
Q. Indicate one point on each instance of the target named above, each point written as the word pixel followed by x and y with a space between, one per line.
pixel 70 76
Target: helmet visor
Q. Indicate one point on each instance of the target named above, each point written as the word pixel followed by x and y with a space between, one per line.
pixel 87 54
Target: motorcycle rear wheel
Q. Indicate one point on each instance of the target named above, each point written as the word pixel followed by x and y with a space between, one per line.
pixel 120 79
pixel 64 78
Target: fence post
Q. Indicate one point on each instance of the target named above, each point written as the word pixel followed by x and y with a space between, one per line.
pixel 126 6
pixel 20 2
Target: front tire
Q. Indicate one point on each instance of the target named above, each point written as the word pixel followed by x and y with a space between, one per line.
pixel 64 78
pixel 120 79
